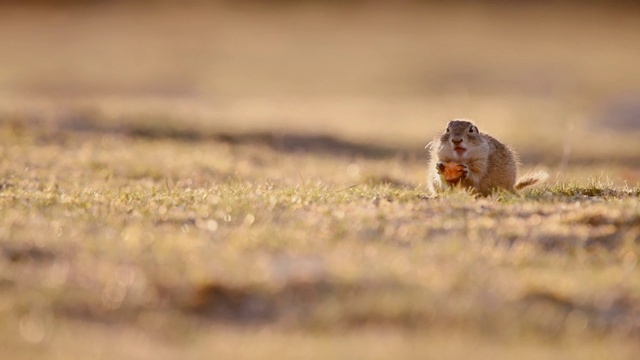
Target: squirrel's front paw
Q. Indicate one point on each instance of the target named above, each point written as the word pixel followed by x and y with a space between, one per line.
pixel 440 166
pixel 464 171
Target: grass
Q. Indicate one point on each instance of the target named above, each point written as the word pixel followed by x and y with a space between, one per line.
pixel 167 236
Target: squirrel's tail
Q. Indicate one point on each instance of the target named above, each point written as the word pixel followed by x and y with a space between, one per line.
pixel 531 179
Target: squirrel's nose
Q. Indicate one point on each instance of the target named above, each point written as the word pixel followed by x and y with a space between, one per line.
pixel 456 141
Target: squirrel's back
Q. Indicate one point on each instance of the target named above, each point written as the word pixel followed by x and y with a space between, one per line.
pixel 502 167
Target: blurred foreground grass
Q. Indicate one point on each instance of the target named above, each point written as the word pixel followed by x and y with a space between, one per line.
pixel 167 237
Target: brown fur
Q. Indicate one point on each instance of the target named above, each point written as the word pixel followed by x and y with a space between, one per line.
pixel 491 164
pixel 531 179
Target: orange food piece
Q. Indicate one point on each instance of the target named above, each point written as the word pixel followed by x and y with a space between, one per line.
pixel 452 171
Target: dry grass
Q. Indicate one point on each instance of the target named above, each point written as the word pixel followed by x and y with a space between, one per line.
pixel 195 180
pixel 166 234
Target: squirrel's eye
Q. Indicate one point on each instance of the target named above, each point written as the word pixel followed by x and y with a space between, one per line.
pixel 447 129
pixel 472 129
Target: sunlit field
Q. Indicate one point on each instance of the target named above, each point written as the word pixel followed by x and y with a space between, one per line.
pixel 249 182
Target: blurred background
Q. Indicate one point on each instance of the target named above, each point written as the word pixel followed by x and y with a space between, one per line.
pixel 559 80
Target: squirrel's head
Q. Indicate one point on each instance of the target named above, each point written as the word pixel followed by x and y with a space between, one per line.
pixel 460 138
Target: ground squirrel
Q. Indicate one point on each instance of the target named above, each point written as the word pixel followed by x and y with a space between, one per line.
pixel 487 164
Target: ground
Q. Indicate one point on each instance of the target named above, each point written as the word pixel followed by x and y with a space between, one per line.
pixel 187 211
